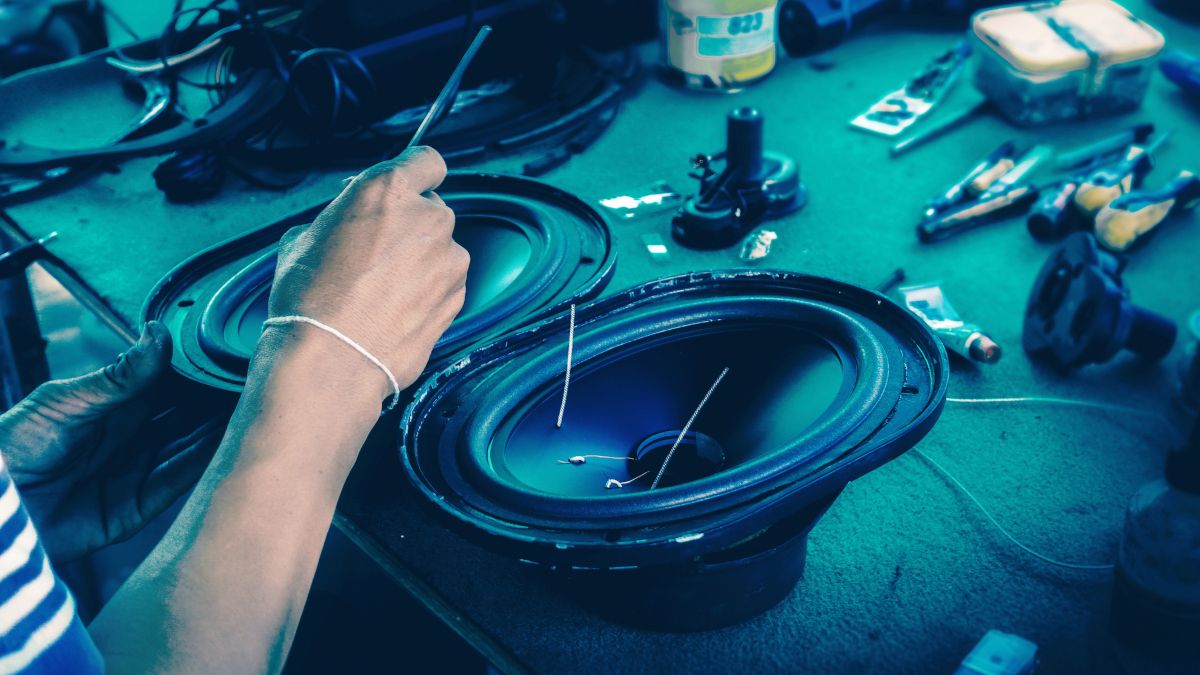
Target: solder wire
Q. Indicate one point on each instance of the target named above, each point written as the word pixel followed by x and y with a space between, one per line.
pixel 683 432
pixel 562 407
pixel 1095 405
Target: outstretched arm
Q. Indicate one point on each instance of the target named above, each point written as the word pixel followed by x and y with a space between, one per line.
pixel 225 588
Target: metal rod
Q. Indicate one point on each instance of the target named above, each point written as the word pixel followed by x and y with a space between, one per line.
pixel 889 282
pixel 445 98
pixel 939 127
pixel 683 432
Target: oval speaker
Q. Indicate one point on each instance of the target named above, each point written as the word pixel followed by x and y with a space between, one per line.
pixel 534 250
pixel 768 391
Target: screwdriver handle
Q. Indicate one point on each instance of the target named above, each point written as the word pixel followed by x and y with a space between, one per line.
pixel 1183 69
pixel 1108 183
pixel 1133 215
pixel 1052 216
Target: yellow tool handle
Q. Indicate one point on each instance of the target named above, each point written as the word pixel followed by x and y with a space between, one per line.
pixel 1133 215
pixel 1105 185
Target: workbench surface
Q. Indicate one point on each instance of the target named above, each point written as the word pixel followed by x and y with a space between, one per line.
pixel 904 572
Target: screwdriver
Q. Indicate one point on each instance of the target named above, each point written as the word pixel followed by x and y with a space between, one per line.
pixel 1053 216
pixel 1134 214
pixel 1000 199
pixel 1108 183
pixel 445 98
pixel 972 214
pixel 1118 143
pixel 17 259
pixel 955 193
pixel 1028 164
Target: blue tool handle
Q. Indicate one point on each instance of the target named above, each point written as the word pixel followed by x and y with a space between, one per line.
pixel 1183 69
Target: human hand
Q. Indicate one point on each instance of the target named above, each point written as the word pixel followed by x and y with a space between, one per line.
pixel 89 464
pixel 378 264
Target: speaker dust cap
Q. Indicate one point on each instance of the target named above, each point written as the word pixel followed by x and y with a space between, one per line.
pixel 825 382
pixel 534 250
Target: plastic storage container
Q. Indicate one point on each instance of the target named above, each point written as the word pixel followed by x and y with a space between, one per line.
pixel 1043 62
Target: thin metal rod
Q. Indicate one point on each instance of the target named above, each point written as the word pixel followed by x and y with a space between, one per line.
pixel 683 432
pixel 562 407
pixel 445 98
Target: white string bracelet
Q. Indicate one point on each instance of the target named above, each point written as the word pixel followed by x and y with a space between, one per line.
pixel 296 318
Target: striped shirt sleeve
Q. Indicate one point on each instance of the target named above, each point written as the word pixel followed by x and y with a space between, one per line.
pixel 39 629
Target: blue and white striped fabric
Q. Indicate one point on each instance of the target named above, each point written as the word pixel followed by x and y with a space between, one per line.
pixel 39 629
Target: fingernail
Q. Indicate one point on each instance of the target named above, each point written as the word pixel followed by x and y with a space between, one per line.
pixel 152 333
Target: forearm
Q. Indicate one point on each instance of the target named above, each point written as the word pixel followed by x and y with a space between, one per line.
pixel 224 589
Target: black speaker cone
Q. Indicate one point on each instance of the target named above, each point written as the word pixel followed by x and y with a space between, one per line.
pixel 534 250
pixel 825 382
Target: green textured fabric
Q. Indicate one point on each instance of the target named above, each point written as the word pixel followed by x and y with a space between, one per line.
pixel 904 575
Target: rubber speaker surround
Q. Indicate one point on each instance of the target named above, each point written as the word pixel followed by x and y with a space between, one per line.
pixel 827 381
pixel 535 249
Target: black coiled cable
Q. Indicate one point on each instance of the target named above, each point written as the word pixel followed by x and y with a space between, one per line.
pixel 190 175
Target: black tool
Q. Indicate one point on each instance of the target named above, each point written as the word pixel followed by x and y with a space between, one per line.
pixel 1079 310
pixel 976 213
pixel 957 193
pixel 1107 183
pixel 1052 217
pixel 1133 215
pixel 445 98
pixel 754 185
pixel 16 260
pixel 811 26
pixel 1092 153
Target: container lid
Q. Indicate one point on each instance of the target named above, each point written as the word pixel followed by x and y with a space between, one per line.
pixel 1057 38
pixel 1109 30
pixel 534 250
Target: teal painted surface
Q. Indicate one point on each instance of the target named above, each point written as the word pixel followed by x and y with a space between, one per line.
pixel 904 575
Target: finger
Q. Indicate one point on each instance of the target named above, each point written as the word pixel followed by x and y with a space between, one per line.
pixel 133 373
pixel 441 215
pixel 434 197
pixel 185 461
pixel 422 167
pixel 292 234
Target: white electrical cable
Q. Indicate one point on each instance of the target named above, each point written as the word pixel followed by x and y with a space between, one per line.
pixel 1095 405
pixel 296 318
pixel 992 519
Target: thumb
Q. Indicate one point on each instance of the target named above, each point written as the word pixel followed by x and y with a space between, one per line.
pixel 134 371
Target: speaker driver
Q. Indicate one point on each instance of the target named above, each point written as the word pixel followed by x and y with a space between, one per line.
pixel 825 382
pixel 534 249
